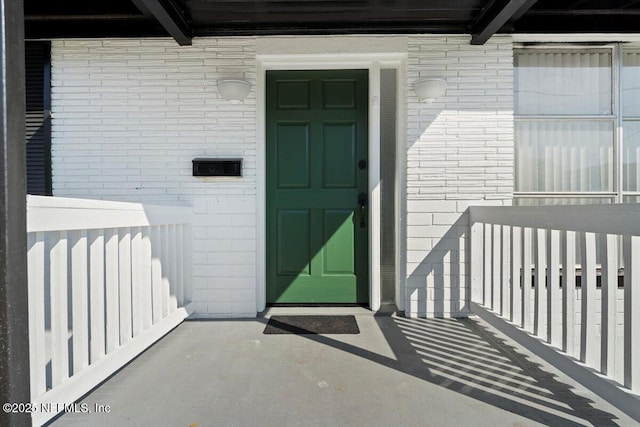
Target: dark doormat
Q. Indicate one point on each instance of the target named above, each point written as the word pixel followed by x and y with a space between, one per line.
pixel 301 325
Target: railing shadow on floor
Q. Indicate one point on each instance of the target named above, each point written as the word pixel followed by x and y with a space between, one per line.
pixel 463 356
pixel 604 387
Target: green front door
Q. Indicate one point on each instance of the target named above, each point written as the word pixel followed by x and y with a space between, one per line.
pixel 317 231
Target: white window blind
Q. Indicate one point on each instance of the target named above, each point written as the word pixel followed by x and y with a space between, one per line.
pixel 565 126
pixel 564 156
pixel 563 82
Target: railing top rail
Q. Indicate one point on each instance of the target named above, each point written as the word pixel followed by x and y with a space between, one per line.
pixel 61 213
pixel 623 219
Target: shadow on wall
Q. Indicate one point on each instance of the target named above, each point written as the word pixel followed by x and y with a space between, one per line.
pixel 438 284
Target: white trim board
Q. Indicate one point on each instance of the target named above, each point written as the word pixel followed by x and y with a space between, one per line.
pixel 329 61
pixel 576 38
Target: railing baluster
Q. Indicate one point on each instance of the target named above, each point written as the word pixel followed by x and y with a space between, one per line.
pixel 477 261
pixel 588 342
pixel 539 284
pixel 156 274
pixel 111 290
pixel 496 270
pixel 554 335
pixel 96 289
pixel 173 268
pixel 179 276
pixel 166 287
pixel 488 252
pixel 187 264
pixel 525 267
pixel 505 309
pixel 79 292
pixel 516 262
pixel 125 284
pixel 526 280
pixel 92 302
pixel 137 274
pixel 632 312
pixel 608 245
pixel 37 342
pixel 146 281
pixel 568 292
pixel 59 308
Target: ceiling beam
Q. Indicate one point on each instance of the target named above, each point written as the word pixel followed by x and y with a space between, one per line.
pixel 495 16
pixel 172 19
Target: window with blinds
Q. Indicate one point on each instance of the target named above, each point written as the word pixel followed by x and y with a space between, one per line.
pixel 631 125
pixel 37 121
pixel 565 128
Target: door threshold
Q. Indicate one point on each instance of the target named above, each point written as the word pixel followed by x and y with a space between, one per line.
pixel 317 304
pixel 315 309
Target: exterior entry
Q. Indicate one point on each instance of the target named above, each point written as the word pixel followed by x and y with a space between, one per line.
pixel 317 190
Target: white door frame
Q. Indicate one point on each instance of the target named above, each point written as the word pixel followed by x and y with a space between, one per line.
pixel 373 63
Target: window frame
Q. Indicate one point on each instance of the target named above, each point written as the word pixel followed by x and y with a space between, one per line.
pixel 616 119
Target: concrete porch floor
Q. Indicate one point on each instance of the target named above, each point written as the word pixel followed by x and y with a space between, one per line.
pixel 397 371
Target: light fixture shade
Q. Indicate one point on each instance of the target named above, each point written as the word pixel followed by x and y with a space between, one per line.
pixel 234 89
pixel 430 89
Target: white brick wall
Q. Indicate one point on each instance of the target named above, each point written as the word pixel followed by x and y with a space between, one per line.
pixel 128 118
pixel 130 115
pixel 460 152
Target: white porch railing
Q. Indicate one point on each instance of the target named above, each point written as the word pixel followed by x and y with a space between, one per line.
pixel 525 265
pixel 106 280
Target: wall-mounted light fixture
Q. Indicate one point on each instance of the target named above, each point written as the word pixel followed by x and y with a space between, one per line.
pixel 430 89
pixel 234 90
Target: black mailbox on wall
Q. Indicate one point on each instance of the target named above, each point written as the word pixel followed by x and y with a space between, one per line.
pixel 217 167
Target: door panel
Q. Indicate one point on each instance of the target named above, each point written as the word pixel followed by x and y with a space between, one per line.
pixel 294 242
pixel 293 94
pixel 339 94
pixel 316 135
pixel 339 163
pixel 292 155
pixel 338 251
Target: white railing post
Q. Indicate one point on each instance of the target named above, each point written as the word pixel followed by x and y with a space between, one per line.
pixel 172 261
pixel 37 342
pixel 96 280
pixel 496 269
pixel 554 296
pixel 526 280
pixel 124 281
pixel 588 342
pixel 59 308
pixel 608 245
pixel 568 292
pixel 112 323
pixel 505 308
pixel 539 283
pixel 79 296
pixel 146 294
pixel 137 280
pixel 179 276
pixel 487 264
pixel 516 262
pixel 632 312
pixel 156 274
pixel 165 290
pixel 187 266
pixel 477 261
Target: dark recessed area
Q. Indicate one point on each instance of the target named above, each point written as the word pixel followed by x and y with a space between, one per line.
pixel 217 167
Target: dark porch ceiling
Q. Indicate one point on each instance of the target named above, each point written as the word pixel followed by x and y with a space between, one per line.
pixel 184 19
